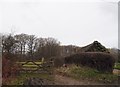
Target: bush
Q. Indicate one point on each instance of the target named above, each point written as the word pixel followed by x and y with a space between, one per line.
pixel 9 68
pixel 59 61
pixel 5 68
pixel 103 62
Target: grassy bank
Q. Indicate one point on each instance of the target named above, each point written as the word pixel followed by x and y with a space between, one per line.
pixel 87 73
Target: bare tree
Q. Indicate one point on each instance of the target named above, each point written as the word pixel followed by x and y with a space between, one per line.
pixel 48 47
pixel 32 44
pixel 8 42
pixel 52 47
pixel 40 50
pixel 22 41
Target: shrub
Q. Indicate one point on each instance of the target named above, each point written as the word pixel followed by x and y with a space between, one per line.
pixel 5 68
pixel 9 68
pixel 59 61
pixel 103 62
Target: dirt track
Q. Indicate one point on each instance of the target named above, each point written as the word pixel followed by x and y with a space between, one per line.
pixel 59 80
pixel 63 80
pixel 116 71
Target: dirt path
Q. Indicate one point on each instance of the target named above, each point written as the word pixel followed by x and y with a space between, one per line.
pixel 116 71
pixel 63 80
pixel 59 80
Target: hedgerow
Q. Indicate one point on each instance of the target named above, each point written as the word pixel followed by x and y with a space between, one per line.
pixel 103 62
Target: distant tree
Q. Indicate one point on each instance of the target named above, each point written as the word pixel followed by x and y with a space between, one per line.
pixel 8 42
pixel 29 46
pixel 48 47
pixel 32 45
pixel 40 51
pixel 22 41
pixel 52 47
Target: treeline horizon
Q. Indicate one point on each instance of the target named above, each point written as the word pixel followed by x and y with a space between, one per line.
pixel 29 46
pixel 12 34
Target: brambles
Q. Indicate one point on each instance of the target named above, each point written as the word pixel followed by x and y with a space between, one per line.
pixel 9 71
pixel 59 61
pixel 5 68
pixel 9 68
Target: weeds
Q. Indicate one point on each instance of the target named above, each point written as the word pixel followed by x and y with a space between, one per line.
pixel 81 72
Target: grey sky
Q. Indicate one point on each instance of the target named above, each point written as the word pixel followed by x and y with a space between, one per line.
pixel 70 21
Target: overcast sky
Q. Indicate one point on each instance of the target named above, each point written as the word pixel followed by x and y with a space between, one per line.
pixel 77 22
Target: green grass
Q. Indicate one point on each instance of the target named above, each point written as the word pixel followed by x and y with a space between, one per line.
pixel 117 66
pixel 93 74
pixel 87 73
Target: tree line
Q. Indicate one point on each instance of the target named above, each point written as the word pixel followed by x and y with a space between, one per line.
pixel 24 46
